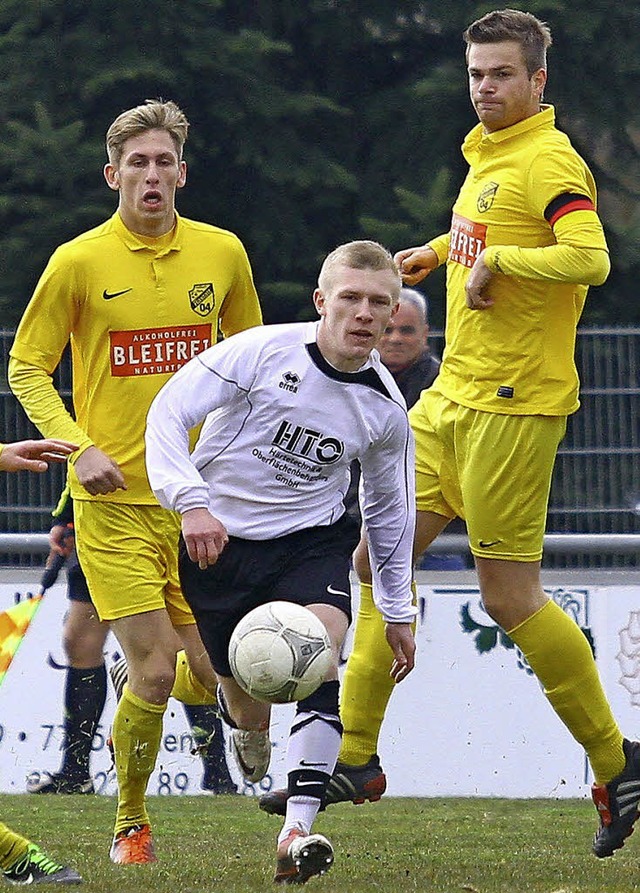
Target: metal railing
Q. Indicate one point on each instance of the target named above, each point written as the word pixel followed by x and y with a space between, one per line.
pixel 595 491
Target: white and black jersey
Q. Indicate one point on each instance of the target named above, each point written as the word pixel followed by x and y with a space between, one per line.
pixel 281 428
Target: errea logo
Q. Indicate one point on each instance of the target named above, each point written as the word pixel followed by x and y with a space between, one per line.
pixel 290 382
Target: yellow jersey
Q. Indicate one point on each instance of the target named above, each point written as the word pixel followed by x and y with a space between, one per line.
pixel 527 196
pixel 134 311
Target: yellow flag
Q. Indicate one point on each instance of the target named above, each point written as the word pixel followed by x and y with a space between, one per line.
pixel 13 625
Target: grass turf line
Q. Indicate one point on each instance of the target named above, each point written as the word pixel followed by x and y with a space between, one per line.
pixel 400 844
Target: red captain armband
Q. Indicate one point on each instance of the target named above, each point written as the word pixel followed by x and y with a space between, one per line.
pixel 565 204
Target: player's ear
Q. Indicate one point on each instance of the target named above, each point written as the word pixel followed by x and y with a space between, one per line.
pixel 319 300
pixel 112 176
pixel 182 176
pixel 539 81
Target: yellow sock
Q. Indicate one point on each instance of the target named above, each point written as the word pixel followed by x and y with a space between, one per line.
pixel 560 656
pixel 366 686
pixel 13 847
pixel 136 733
pixel 187 687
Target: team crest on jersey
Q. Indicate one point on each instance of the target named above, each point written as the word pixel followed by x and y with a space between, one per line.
pixel 486 197
pixel 290 382
pixel 202 298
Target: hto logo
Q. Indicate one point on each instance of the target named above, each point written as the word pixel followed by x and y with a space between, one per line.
pixel 308 444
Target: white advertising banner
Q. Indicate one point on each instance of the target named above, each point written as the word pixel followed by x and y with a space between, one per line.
pixel 471 719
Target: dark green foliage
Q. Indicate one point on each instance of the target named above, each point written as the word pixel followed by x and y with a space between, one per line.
pixel 312 123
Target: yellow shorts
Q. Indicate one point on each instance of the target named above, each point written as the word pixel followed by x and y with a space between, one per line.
pixel 129 555
pixel 492 470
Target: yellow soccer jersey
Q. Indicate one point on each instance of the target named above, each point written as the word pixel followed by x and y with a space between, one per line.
pixel 134 311
pixel 527 188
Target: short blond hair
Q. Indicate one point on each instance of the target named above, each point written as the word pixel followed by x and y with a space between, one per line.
pixel 153 114
pixel 359 255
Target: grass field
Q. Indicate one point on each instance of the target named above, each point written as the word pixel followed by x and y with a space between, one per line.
pixel 209 844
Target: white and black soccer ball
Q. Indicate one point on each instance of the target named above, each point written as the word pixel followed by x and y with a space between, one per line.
pixel 279 652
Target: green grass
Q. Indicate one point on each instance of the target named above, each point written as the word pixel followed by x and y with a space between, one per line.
pixel 207 844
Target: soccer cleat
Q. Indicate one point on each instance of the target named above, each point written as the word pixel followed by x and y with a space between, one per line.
pixel 302 856
pixel 133 846
pixel 119 672
pixel 252 752
pixel 58 783
pixel 35 867
pixel 617 804
pixel 348 783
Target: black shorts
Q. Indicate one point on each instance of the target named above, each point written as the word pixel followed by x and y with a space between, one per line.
pixel 77 589
pixel 307 567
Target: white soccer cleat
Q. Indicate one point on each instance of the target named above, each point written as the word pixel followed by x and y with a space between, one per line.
pixel 252 752
pixel 302 856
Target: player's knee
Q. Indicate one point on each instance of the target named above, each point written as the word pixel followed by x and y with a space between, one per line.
pixel 321 705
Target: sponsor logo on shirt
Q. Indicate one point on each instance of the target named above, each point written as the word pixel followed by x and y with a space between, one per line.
pixel 156 351
pixel 290 382
pixel 202 298
pixel 299 440
pixel 467 239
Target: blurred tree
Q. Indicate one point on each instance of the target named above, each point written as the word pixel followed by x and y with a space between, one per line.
pixel 314 122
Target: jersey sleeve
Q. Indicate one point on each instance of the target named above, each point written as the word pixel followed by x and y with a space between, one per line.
pixel 388 510
pixel 214 378
pixel 561 192
pixel 440 244
pixel 241 308
pixel 41 338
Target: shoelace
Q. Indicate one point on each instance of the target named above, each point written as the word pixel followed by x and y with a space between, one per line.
pixel 35 856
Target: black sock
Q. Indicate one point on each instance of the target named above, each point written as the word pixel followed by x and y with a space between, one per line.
pixel 84 699
pixel 208 734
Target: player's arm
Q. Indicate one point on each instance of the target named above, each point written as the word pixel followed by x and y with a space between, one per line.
pixel 388 509
pixel 561 192
pixel 33 386
pixel 241 308
pixel 204 384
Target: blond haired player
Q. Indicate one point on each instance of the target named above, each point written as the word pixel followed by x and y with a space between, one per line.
pixel 136 298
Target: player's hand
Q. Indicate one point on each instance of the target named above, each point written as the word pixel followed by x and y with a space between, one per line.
pixel 476 286
pixel 205 537
pixel 61 540
pixel 98 473
pixel 403 644
pixel 34 455
pixel 415 264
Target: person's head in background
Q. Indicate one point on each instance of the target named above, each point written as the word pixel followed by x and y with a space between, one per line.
pixel 405 337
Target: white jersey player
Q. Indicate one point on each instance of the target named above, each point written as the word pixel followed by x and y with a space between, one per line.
pixel 285 410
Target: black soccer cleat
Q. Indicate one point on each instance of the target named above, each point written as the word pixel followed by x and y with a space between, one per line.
pixel 617 804
pixel 353 784
pixel 35 867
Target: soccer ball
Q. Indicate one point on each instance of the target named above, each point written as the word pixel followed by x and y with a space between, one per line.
pixel 279 652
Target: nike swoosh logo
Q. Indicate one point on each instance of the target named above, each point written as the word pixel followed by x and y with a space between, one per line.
pixel 303 784
pixel 484 545
pixel 305 763
pixel 107 295
pixel 333 591
pixel 246 770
